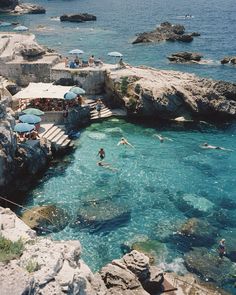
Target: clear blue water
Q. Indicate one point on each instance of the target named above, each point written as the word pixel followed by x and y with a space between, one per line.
pixel 148 182
pixel 119 21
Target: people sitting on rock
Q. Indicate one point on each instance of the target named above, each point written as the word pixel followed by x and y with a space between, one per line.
pixel 208 146
pixel 124 141
pixel 99 62
pixel 91 61
pixel 34 135
pixel 162 138
pixel 77 61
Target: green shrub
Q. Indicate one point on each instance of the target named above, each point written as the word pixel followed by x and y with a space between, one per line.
pixel 32 266
pixel 124 85
pixel 10 250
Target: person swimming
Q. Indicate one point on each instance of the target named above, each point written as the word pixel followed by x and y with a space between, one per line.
pixel 205 145
pixel 101 154
pixel 106 165
pixel 124 141
pixel 162 138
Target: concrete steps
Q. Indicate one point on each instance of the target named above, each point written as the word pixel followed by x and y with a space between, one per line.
pixel 56 135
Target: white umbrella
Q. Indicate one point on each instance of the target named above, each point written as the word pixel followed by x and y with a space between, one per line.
pixel 76 51
pixel 21 28
pixel 115 54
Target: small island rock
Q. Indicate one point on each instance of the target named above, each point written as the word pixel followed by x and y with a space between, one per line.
pixel 185 57
pixel 79 17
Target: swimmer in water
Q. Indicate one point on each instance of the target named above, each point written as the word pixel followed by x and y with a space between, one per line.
pixel 162 138
pixel 124 141
pixel 101 154
pixel 106 165
pixel 213 147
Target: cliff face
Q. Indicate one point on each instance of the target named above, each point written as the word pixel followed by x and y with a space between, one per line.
pixel 8 4
pixel 148 92
pixel 19 163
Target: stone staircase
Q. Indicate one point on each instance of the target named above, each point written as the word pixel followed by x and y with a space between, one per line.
pixel 56 135
pixel 105 112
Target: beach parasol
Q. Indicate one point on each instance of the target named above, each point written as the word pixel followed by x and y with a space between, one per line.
pixel 77 90
pixel 115 54
pixel 23 127
pixel 76 51
pixel 30 119
pixel 20 28
pixel 33 111
pixel 70 95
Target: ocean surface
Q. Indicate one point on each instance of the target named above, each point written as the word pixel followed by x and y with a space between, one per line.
pixel 118 21
pixel 154 187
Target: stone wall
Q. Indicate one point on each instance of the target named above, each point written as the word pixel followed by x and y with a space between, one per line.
pixel 92 81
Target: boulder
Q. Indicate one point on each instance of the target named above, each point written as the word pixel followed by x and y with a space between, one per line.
pixel 185 57
pixel 223 218
pixel 228 59
pixel 166 31
pixel 32 51
pixel 46 218
pixel 103 215
pixel 209 266
pixel 80 17
pixel 198 232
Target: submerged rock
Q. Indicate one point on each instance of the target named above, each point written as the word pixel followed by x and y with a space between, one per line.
pixel 223 218
pixel 228 59
pixel 6 5
pixel 80 17
pixel 209 266
pixel 166 31
pixel 185 57
pixel 46 218
pixel 198 232
pixel 155 250
pixel 101 216
pixel 114 131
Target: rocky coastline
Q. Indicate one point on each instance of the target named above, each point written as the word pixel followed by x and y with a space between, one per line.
pixel 43 266
pixel 14 7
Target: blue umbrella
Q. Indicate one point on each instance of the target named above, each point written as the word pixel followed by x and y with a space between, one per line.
pixel 5 24
pixel 115 54
pixel 21 28
pixel 23 127
pixel 33 111
pixel 76 51
pixel 70 95
pixel 77 90
pixel 30 119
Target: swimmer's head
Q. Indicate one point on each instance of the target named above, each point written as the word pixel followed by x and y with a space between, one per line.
pixel 205 144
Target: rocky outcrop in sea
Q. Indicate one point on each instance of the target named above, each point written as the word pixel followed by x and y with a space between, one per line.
pixel 185 57
pixel 78 18
pixel 147 92
pixel 228 60
pixel 166 32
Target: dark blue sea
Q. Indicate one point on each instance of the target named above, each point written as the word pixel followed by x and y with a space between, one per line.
pixel 154 187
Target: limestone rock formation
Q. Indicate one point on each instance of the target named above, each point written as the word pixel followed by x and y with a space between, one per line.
pixel 166 31
pixel 185 57
pixel 147 92
pixel 32 51
pixel 79 18
pixel 228 59
pixel 27 8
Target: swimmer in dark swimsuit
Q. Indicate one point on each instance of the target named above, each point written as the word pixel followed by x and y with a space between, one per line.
pixel 101 154
pixel 207 146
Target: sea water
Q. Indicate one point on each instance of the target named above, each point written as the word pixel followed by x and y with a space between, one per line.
pixel 146 181
pixel 118 22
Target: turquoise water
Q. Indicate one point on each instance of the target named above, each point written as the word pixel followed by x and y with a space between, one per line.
pixel 119 21
pixel 148 183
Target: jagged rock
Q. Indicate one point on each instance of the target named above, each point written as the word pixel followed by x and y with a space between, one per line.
pixel 154 249
pixel 80 17
pixel 209 266
pixel 31 51
pixel 167 94
pixel 228 59
pixel 27 8
pixel 101 216
pixel 46 218
pixel 166 31
pixel 183 57
pixel 154 281
pixel 198 232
